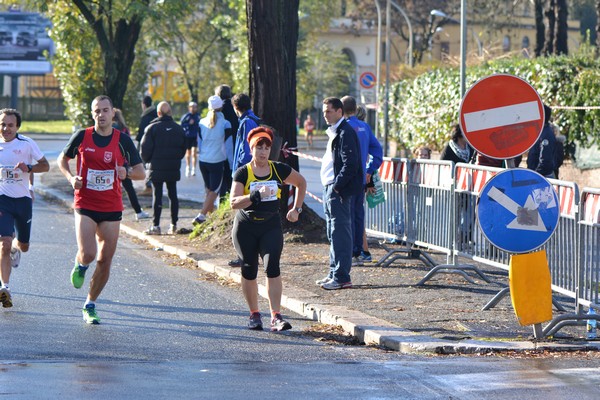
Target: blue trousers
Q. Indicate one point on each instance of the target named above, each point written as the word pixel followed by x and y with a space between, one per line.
pixel 339 234
pixel 357 211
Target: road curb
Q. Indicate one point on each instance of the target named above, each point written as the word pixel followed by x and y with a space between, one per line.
pixel 368 329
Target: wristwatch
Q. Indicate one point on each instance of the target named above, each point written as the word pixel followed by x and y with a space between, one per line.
pixel 299 210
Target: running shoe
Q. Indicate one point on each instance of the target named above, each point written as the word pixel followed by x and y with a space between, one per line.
pixel 278 324
pixel 142 215
pixel 323 281
pixel 236 263
pixel 15 257
pixel 78 275
pixel 333 285
pixel 255 322
pixel 200 218
pixel 356 262
pixel 5 297
pixel 89 314
pixel 365 256
pixel 172 230
pixel 153 230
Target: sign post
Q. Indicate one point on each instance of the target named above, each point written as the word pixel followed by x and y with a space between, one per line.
pixel 502 116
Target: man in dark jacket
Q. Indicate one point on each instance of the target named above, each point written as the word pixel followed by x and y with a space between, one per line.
pixel 342 178
pixel 541 155
pixel 148 115
pixel 163 147
pixel 224 92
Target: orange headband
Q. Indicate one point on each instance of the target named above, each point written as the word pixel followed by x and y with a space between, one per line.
pixel 257 136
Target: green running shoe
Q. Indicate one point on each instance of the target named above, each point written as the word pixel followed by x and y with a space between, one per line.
pixel 89 315
pixel 78 275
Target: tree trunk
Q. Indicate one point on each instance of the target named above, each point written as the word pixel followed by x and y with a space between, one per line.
pixel 562 13
pixel 597 28
pixel 118 50
pixel 119 60
pixel 539 27
pixel 551 16
pixel 272 42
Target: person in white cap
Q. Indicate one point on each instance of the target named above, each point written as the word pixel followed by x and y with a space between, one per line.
pixel 190 123
pixel 213 129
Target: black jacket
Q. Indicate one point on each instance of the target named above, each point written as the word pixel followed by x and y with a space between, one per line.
pixel 163 146
pixel 148 116
pixel 231 116
pixel 347 166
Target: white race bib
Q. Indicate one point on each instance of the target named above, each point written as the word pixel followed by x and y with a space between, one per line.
pixel 271 189
pixel 100 180
pixel 10 174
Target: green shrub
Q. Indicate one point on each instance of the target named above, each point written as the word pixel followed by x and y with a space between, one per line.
pixel 423 110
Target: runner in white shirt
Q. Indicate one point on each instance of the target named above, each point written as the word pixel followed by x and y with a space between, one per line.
pixel 20 156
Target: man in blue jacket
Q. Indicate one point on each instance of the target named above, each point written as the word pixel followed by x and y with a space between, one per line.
pixel 369 146
pixel 248 121
pixel 342 179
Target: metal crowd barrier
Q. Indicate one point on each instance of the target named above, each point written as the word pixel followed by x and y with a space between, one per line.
pixel 583 278
pixel 388 221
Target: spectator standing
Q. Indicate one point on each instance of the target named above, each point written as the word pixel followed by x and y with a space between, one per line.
pixel 541 156
pixel 190 123
pixel 257 230
pixel 104 155
pixel 224 92
pixel 559 155
pixel 149 114
pixel 20 158
pixel 309 128
pixel 371 156
pixel 119 123
pixel 422 152
pixel 163 147
pixel 342 178
pixel 212 156
pixel 457 150
pixel 248 121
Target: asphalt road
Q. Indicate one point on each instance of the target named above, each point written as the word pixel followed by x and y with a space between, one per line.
pixel 168 332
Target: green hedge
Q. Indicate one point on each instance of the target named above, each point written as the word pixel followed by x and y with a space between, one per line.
pixel 423 110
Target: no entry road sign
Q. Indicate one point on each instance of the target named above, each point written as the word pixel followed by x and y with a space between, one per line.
pixel 518 210
pixel 501 116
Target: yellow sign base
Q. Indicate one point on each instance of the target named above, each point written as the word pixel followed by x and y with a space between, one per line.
pixel 530 287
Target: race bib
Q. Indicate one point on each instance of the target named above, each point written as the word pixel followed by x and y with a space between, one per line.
pixel 10 174
pixel 100 180
pixel 271 189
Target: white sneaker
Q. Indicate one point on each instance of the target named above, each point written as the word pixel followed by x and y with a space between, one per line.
pixel 153 230
pixel 15 257
pixel 142 215
pixel 172 230
pixel 194 172
pixel 200 218
pixel 187 172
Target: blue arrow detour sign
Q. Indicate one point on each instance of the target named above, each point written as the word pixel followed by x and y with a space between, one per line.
pixel 518 210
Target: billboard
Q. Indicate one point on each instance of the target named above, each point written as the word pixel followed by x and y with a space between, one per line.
pixel 24 43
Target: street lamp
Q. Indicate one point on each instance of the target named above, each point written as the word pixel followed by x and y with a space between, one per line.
pixel 443 15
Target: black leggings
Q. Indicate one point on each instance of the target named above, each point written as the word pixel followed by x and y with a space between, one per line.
pixel 157 201
pixel 252 239
pixel 133 199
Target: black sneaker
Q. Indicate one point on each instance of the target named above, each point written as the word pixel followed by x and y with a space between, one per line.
pixel 255 322
pixel 236 263
pixel 279 324
pixel 5 297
